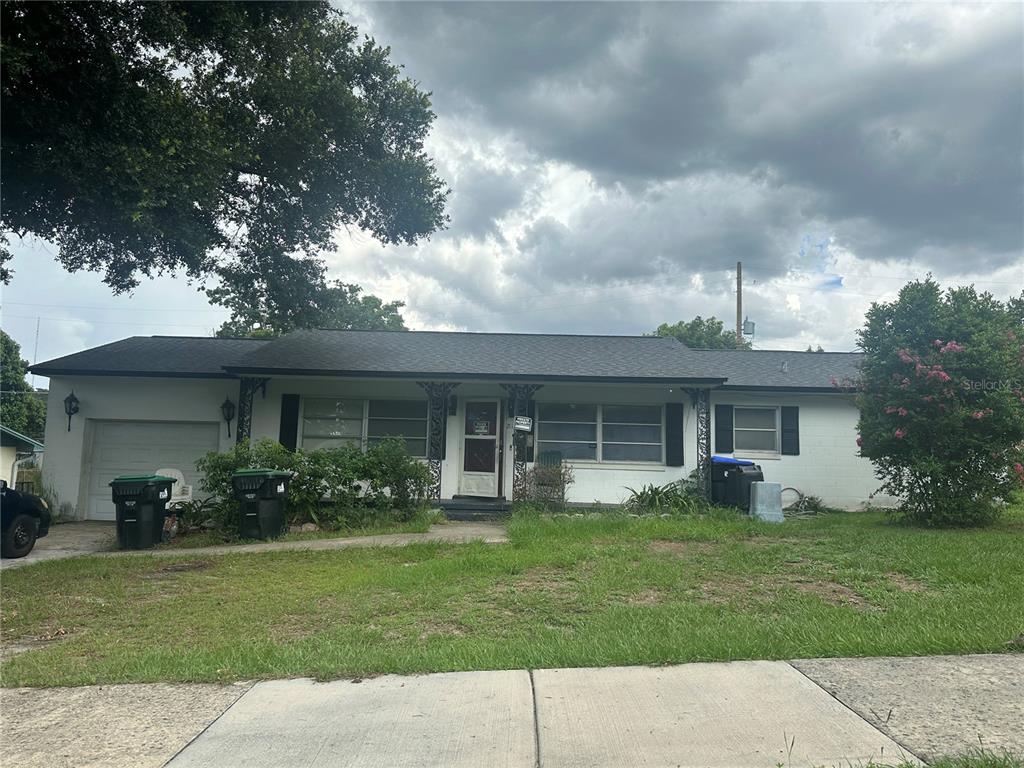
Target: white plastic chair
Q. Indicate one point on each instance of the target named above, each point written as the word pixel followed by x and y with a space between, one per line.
pixel 180 493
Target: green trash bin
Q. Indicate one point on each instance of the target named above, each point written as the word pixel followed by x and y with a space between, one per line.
pixel 141 504
pixel 262 494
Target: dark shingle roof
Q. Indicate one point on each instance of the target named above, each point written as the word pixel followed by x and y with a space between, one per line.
pixel 477 355
pixel 177 356
pixel 414 354
pixel 755 369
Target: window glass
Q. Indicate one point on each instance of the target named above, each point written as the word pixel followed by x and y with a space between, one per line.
pixel 632 414
pixel 754 418
pixel 570 450
pixel 630 452
pixel 481 419
pixel 562 431
pixel 601 433
pixel 566 412
pixel 755 429
pixel 331 423
pixel 398 409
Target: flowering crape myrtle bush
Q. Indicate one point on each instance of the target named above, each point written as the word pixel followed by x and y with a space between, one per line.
pixel 941 402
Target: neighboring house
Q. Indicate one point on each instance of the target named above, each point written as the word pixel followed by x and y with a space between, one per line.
pixel 15 446
pixel 623 410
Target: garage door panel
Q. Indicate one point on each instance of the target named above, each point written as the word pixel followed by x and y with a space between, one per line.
pixel 142 447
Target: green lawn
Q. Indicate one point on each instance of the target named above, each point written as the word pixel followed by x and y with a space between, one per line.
pixel 563 592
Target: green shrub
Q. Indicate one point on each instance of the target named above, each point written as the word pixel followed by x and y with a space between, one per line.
pixel 334 488
pixel 682 497
pixel 941 400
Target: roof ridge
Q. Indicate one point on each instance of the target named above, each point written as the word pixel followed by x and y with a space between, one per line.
pixel 492 333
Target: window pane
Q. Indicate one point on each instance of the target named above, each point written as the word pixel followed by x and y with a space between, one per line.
pixel 332 428
pixel 312 443
pixel 417 448
pixel 621 452
pixel 398 409
pixel 566 412
pixel 754 418
pixel 479 456
pixel 404 427
pixel 481 418
pixel 570 450
pixel 628 433
pixel 586 432
pixel 632 414
pixel 754 441
pixel 318 407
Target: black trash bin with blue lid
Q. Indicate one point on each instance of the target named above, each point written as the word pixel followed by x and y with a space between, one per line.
pixel 261 494
pixel 141 504
pixel 731 479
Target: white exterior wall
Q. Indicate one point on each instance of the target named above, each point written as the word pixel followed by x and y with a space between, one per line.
pixel 828 465
pixel 115 398
pixel 8 455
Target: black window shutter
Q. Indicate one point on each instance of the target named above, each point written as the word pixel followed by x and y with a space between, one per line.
pixel 790 430
pixel 674 434
pixel 723 429
pixel 531 409
pixel 288 435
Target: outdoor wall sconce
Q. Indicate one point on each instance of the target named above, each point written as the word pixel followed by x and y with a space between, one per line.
pixel 70 407
pixel 227 409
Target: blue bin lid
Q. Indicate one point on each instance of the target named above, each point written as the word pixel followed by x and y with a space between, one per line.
pixel 731 461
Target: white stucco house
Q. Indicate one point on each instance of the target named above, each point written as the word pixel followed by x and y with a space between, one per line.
pixel 623 410
pixel 15 449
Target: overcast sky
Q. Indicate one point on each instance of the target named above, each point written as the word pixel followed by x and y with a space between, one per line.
pixel 610 163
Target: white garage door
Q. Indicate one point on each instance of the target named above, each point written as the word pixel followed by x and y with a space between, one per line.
pixel 141 448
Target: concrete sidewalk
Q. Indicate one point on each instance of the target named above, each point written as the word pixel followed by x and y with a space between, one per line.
pixel 756 714
pixel 97 538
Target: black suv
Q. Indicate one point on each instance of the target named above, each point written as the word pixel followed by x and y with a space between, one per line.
pixel 23 519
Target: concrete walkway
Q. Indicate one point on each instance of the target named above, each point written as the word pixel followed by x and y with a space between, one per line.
pixel 68 540
pixel 761 714
pixel 96 538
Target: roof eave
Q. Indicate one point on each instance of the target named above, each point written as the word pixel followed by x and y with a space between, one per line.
pixel 51 372
pixel 453 375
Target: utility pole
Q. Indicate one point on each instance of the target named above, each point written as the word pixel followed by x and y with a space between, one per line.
pixel 739 305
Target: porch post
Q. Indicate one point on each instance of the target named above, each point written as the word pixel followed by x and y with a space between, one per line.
pixel 701 399
pixel 437 400
pixel 247 387
pixel 519 396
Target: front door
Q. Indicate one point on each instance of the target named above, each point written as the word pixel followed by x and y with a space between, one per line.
pixel 480 441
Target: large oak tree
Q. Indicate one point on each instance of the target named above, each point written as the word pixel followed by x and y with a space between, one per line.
pixel 144 137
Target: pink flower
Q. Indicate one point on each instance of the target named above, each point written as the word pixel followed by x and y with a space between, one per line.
pixel 890 409
pixel 951 346
pixel 1019 469
pixel 860 443
pixel 905 383
pixel 938 373
pixel 905 356
pixel 899 434
pixel 937 343
pixel 902 412
pixel 982 414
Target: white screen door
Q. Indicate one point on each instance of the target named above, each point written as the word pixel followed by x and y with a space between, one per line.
pixel 480 449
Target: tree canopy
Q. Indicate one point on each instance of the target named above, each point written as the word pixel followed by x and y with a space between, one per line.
pixel 300 297
pixel 702 334
pixel 20 408
pixel 942 401
pixel 146 137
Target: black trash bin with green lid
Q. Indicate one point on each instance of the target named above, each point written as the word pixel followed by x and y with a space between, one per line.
pixel 141 504
pixel 262 494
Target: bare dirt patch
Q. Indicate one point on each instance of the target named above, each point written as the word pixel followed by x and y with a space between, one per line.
pixel 646 597
pixel 169 570
pixel 722 589
pixel 905 583
pixel 680 548
pixel 440 629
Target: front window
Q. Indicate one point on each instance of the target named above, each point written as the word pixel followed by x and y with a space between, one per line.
pixel 605 433
pixel 756 430
pixel 333 423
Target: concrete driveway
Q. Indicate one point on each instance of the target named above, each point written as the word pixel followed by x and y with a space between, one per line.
pixel 69 540
pixel 756 714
